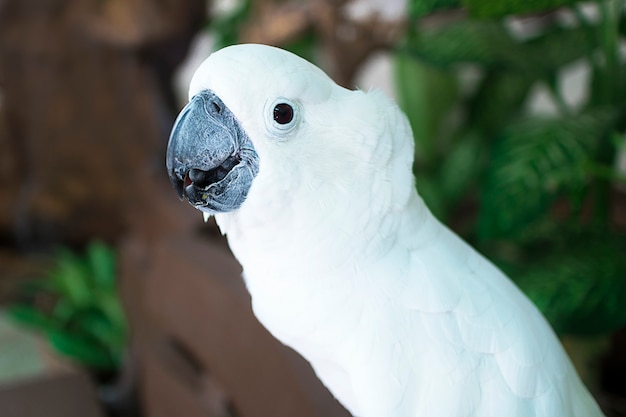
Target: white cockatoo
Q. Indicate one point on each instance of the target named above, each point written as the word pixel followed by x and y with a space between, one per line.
pixel 312 184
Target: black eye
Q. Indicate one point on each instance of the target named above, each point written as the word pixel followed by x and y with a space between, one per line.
pixel 283 113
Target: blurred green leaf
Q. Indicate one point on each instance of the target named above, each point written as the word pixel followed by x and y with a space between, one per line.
pixel 109 304
pixel 500 8
pixel 490 45
pixel 69 278
pixel 82 350
pixel 581 287
pixel 531 162
pixel 226 28
pixel 420 8
pixel 498 100
pixel 101 260
pixel 461 167
pixel 64 310
pixel 558 47
pixel 93 323
pixel 426 95
pixel 467 41
pixel 31 317
pixel 304 46
pixel 609 88
pixel 428 189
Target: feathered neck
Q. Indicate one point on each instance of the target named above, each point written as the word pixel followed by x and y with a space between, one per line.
pixel 294 221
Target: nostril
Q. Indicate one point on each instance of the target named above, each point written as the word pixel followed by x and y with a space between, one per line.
pixel 216 107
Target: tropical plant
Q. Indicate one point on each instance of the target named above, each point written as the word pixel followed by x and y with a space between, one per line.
pixel 78 309
pixel 533 190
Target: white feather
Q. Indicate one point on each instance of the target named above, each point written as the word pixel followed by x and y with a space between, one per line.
pixel 344 262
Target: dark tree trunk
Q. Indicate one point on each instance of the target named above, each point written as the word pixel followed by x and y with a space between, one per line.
pixel 85 111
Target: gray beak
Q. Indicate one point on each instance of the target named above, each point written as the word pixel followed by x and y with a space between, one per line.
pixel 210 159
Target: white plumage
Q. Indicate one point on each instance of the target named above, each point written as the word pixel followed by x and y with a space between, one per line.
pixel 398 316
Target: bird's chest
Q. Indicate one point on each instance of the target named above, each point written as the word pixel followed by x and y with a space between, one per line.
pixel 306 314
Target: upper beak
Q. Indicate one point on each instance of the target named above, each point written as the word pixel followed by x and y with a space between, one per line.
pixel 200 141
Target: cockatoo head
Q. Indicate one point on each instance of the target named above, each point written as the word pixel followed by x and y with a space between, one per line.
pixel 263 125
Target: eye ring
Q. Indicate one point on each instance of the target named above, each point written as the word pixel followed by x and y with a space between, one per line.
pixel 283 113
pixel 282 116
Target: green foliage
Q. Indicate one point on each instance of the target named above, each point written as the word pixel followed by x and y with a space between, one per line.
pixel 498 100
pixel 541 183
pixel 84 320
pixel 426 95
pixel 579 283
pixel 466 41
pixel 499 8
pixel 419 8
pixel 532 162
pixel 226 28
pixel 460 169
pixel 558 47
pixel 490 45
pixel 304 46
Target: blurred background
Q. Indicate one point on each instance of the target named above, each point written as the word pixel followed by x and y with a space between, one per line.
pixel 117 300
